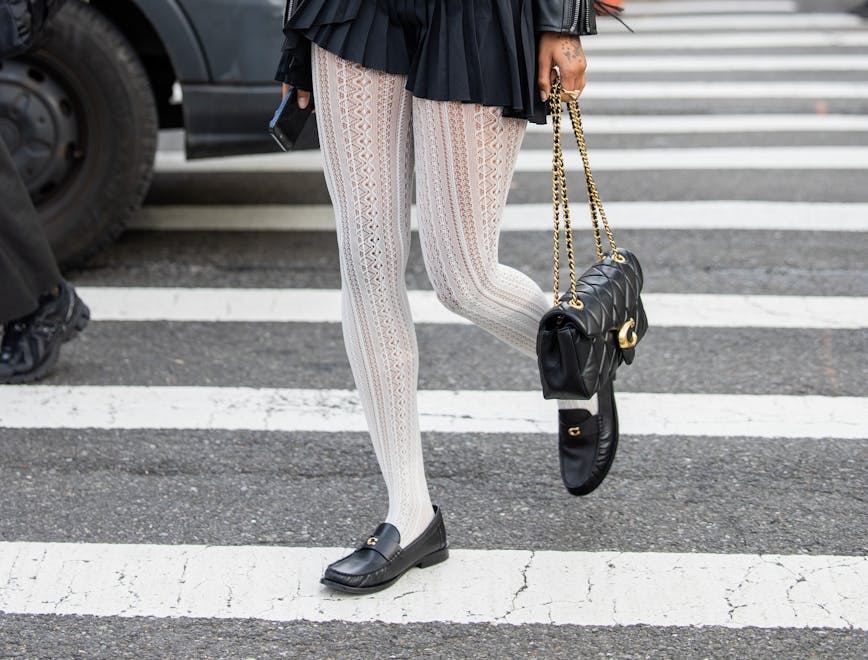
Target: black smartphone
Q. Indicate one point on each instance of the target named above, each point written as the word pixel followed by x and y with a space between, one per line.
pixel 289 122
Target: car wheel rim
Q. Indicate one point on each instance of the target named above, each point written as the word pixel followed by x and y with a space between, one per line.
pixel 41 125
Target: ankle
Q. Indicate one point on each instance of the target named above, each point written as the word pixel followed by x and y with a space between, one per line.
pixel 411 522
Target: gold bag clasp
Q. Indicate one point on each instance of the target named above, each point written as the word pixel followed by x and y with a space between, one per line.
pixel 627 337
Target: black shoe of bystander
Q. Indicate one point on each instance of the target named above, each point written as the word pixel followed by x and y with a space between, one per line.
pixel 31 345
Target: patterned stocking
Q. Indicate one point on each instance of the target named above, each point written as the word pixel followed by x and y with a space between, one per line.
pixel 371 131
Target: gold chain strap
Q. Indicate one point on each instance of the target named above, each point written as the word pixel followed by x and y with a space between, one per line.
pixel 560 199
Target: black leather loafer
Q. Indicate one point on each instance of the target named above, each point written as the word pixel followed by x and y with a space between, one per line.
pixel 587 443
pixel 381 560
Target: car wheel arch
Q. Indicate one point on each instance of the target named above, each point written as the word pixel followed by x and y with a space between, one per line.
pixel 165 41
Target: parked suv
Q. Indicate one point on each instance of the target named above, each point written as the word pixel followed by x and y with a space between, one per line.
pixel 81 112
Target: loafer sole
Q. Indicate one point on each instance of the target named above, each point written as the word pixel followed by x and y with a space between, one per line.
pixel 428 560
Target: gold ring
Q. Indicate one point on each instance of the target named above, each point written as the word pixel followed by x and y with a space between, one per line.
pixel 573 93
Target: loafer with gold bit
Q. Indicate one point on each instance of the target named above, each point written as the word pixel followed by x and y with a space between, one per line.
pixel 587 443
pixel 381 560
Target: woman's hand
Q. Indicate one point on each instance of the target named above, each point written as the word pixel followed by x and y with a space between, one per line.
pixel 303 97
pixel 565 51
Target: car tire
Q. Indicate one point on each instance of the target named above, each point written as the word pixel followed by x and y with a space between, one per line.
pixel 81 121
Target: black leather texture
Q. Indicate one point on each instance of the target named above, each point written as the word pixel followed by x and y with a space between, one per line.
pixel 565 16
pixel 294 66
pixel 578 349
pixel 587 453
pixel 380 560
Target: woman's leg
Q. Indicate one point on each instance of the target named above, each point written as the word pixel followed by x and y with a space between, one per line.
pixel 364 122
pixel 465 156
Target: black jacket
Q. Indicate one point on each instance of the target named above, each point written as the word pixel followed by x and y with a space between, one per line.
pixel 569 16
pixel 564 16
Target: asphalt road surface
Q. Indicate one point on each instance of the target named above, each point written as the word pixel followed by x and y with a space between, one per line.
pixel 175 488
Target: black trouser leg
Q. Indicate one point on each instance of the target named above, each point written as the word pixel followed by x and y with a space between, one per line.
pixel 27 265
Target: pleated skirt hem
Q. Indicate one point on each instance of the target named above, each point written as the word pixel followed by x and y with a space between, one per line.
pixel 450 51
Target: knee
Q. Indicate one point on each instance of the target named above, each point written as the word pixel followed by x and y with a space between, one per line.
pixel 457 297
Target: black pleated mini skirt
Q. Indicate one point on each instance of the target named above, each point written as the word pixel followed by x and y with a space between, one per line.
pixel 465 50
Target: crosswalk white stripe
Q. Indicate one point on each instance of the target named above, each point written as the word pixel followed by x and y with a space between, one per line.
pixel 708 41
pixel 721 123
pixel 618 124
pixel 445 411
pixel 733 21
pixel 540 160
pixel 703 215
pixel 710 7
pixel 747 89
pixel 712 158
pixel 725 123
pixel 301 305
pixel 472 586
pixel 718 63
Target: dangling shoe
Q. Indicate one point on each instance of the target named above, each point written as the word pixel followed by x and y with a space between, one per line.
pixel 381 560
pixel 587 443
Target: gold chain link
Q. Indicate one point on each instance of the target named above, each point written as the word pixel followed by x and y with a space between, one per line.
pixel 594 200
pixel 560 199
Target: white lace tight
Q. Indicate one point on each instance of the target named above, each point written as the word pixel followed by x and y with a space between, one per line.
pixel 369 128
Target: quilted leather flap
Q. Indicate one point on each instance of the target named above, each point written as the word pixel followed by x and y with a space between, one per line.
pixel 610 293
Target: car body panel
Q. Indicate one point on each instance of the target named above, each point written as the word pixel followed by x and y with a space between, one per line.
pixel 240 127
pixel 241 38
pixel 179 38
pixel 224 53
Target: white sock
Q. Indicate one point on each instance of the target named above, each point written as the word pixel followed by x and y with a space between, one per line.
pixel 587 404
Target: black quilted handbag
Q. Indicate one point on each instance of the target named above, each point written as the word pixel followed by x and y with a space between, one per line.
pixel 594 326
